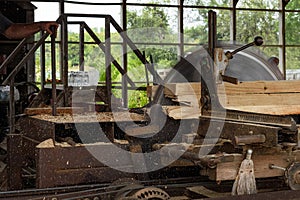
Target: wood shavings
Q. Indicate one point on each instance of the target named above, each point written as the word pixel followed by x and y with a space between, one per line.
pixel 91 117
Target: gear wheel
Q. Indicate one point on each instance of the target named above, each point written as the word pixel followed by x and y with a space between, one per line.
pixel 293 176
pixel 144 194
pixel 151 193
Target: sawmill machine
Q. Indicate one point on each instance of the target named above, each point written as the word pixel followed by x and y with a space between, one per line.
pixel 239 110
pixel 236 116
pixel 207 115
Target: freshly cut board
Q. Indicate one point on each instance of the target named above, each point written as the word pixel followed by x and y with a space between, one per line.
pixel 265 97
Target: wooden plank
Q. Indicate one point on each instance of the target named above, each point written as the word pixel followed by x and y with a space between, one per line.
pixel 142 130
pixel 249 87
pixel 182 112
pixel 269 109
pixel 48 110
pixel 151 90
pixel 276 99
pixel 265 97
pixel 178 89
pixel 263 87
pixel 190 100
pixel 242 88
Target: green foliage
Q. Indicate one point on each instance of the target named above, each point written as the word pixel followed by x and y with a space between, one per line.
pixel 251 24
pixel 147 26
pixel 149 17
pixel 200 32
pixel 137 99
pixel 292 34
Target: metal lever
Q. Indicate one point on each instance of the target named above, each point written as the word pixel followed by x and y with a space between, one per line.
pixel 258 41
pixel 272 166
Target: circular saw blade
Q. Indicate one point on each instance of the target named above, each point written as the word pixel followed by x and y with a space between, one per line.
pixel 249 66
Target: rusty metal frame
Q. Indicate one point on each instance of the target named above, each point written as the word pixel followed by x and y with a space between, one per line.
pixel 104 47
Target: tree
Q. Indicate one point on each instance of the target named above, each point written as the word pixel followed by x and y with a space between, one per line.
pixel 292 23
pixel 249 23
pixel 292 28
pixel 150 25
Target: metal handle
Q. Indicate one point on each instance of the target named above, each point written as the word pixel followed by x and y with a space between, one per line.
pixel 258 41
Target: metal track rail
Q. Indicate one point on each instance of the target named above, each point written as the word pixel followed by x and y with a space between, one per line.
pixel 172 186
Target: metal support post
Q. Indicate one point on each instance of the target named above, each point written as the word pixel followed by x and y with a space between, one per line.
pixel 53 69
pixel 108 61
